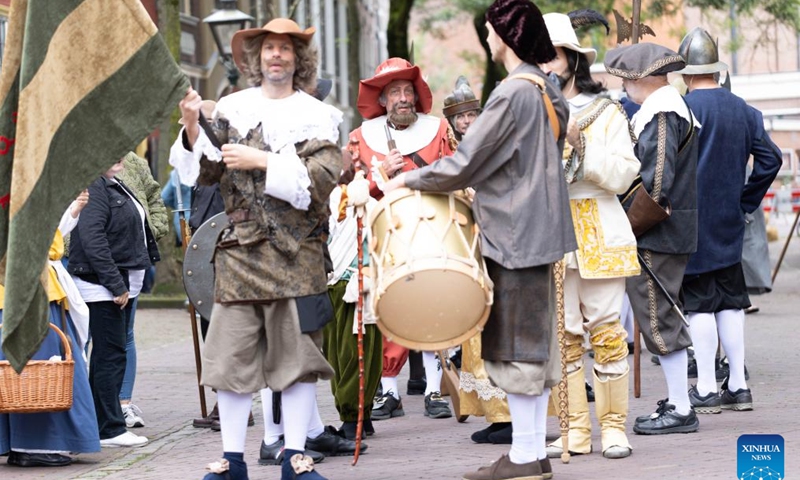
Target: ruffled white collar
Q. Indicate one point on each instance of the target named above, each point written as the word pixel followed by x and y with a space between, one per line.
pixel 665 99
pixel 284 122
pixel 413 139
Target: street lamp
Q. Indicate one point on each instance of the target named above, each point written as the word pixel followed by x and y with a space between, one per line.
pixel 224 22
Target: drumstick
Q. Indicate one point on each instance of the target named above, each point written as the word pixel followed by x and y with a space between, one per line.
pixel 392 146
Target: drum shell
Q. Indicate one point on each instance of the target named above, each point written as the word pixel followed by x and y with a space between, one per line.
pixel 432 291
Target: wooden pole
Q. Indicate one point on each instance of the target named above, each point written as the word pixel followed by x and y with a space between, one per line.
pixel 785 246
pixel 561 331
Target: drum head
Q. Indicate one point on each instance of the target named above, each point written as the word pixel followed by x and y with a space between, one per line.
pixel 198 269
pixel 433 309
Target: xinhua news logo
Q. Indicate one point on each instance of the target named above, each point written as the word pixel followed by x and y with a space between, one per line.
pixel 760 457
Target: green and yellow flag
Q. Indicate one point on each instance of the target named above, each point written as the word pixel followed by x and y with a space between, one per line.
pixel 82 83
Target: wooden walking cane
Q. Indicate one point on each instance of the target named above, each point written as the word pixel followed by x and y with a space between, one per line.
pixel 359 213
pixel 187 236
pixel 563 393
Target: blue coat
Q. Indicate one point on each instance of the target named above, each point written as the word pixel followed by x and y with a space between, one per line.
pixel 732 131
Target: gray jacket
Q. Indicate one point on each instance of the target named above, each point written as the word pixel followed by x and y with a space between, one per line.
pixel 511 159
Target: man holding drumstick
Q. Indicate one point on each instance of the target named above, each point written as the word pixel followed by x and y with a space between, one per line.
pixel 396 136
pixel 512 157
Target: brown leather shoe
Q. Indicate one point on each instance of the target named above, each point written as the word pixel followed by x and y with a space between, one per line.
pixel 505 469
pixel 206 422
pixel 547 469
pixel 216 427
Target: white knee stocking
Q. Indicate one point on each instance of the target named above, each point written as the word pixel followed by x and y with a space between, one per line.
pixel 703 328
pixel 731 333
pixel 523 424
pixel 234 410
pixel 315 427
pixel 389 385
pixel 272 430
pixel 541 423
pixel 674 366
pixel 433 372
pixel 297 403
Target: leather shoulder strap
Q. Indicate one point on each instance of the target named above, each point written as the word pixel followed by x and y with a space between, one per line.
pixel 548 104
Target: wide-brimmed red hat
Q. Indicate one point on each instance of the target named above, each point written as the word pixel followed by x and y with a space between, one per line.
pixel 281 26
pixel 369 90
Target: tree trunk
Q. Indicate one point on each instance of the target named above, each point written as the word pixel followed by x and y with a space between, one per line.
pixel 397 30
pixel 494 72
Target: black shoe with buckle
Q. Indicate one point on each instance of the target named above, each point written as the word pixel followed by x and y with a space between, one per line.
pixel 330 444
pixel 706 404
pixel 22 459
pixel 348 431
pixel 273 454
pixel 387 407
pixel 436 406
pixel 668 422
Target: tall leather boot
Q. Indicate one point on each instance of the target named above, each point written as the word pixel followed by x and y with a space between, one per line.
pixel 580 426
pixel 611 406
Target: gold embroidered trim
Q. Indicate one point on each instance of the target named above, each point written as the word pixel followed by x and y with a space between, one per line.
pixel 656 66
pixel 595 258
pixel 652 302
pixel 661 156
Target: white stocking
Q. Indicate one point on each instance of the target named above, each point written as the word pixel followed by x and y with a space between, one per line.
pixel 234 411
pixel 703 328
pixel 433 372
pixel 297 403
pixel 675 365
pixel 523 424
pixel 541 423
pixel 316 427
pixel 272 430
pixel 731 333
pixel 389 385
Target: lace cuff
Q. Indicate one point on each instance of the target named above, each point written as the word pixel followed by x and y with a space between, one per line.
pixel 187 163
pixel 288 180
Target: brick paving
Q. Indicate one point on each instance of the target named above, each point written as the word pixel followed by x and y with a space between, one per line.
pixel 416 447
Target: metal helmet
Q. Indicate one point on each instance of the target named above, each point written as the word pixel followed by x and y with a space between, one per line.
pixel 461 100
pixel 701 53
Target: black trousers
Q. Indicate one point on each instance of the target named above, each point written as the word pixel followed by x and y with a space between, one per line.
pixel 108 326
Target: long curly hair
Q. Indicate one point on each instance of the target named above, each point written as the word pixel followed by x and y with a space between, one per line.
pixel 577 63
pixel 305 63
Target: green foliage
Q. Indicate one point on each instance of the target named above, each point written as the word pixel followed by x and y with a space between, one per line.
pixel 786 12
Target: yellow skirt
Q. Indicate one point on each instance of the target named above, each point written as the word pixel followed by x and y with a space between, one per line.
pixel 477 394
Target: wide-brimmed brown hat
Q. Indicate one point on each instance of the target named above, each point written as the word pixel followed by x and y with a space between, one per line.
pixel 281 26
pixel 369 90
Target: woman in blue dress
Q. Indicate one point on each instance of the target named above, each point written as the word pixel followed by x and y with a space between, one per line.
pixel 45 439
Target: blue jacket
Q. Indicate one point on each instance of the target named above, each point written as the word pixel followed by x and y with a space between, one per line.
pixel 732 132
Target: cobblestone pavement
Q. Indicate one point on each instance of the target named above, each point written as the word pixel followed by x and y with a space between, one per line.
pixel 416 447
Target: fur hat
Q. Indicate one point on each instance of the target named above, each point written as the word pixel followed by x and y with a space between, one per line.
pixel 281 26
pixel 369 90
pixel 642 60
pixel 520 25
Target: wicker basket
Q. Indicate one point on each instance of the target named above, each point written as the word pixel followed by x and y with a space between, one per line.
pixel 43 385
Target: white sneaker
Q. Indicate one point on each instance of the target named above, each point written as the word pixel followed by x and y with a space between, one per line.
pixel 127 439
pixel 132 416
